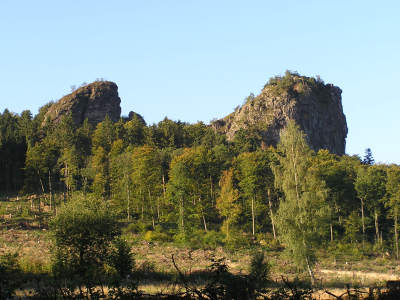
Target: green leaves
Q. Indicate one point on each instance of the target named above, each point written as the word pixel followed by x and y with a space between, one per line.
pixel 303 212
pixel 86 239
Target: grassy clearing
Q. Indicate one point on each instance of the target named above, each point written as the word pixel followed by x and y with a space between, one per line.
pixel 23 230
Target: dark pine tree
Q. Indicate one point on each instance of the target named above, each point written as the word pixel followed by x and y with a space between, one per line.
pixel 368 158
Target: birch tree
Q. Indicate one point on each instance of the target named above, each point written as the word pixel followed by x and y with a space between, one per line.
pixel 393 200
pixel 303 213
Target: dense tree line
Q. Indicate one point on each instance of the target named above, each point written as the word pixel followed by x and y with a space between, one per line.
pixel 177 181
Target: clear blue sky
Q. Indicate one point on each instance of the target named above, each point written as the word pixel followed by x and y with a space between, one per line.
pixel 197 60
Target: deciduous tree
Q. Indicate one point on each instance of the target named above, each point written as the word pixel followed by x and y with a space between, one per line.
pixel 303 213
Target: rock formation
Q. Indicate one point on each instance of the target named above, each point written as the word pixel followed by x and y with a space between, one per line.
pixel 93 101
pixel 316 107
pixel 132 115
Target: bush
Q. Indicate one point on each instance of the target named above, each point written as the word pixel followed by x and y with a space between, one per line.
pixel 268 242
pixel 132 228
pixel 155 236
pixel 87 244
pixel 237 240
pixel 213 239
pixel 9 274
pixel 259 271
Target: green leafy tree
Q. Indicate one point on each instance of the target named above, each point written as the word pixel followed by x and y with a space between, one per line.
pixel 69 169
pixel 247 140
pixel 104 135
pixel 26 127
pixel 180 191
pixel 87 244
pixel 13 147
pixel 227 202
pixel 100 172
pixel 392 200
pixel 171 134
pixel 41 165
pixel 339 174
pixel 370 186
pixel 303 213
pixel 102 141
pixel 255 179
pixel 120 174
pixel 135 131
pixel 147 179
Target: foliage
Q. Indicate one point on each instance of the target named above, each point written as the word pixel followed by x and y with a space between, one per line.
pixel 9 274
pixel 86 243
pixel 186 183
pixel 303 212
pixel 227 203
pixel 292 83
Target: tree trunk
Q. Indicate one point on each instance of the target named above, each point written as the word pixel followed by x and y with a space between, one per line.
pixel 128 204
pixel 295 177
pixel 142 208
pixel 204 222
pixel 40 199
pixel 362 217
pixel 211 192
pixel 66 181
pixel 41 182
pixel 50 191
pixel 181 213
pixel 158 209
pixel 152 210
pixel 310 272
pixel 331 231
pixel 396 235
pixel 376 226
pixel 271 213
pixel 227 229
pixel 164 189
pixel 153 222
pixel 252 215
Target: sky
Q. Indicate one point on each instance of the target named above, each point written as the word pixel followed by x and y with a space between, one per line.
pixel 197 60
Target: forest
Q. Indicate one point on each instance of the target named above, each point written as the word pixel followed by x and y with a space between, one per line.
pixel 187 185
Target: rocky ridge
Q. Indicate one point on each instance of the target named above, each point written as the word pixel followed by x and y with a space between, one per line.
pixel 93 102
pixel 315 106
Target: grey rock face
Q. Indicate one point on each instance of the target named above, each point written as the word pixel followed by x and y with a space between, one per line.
pixel 94 101
pixel 316 107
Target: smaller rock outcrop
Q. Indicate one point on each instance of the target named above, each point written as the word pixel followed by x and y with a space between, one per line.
pixel 133 115
pixel 93 102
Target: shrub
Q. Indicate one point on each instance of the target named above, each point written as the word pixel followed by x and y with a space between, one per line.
pixel 9 274
pixel 213 239
pixel 155 236
pixel 237 240
pixel 87 244
pixel 259 270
